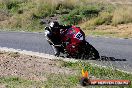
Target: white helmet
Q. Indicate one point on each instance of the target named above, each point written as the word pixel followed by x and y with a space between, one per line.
pixel 54 24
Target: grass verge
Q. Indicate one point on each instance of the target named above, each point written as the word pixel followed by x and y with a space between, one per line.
pixel 53 81
pixel 100 72
pixel 68 81
pixel 17 82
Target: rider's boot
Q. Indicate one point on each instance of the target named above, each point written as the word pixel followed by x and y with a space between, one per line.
pixel 56 51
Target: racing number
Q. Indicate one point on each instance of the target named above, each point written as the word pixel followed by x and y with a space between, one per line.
pixel 79 36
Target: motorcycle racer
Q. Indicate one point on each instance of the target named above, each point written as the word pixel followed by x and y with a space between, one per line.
pixel 53 34
pixel 69 40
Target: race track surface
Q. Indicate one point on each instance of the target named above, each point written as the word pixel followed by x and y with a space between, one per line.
pixel 115 52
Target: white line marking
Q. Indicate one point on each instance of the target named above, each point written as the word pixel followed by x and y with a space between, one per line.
pixel 48 56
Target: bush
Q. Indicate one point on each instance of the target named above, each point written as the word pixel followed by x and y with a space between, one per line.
pixel 11 5
pixel 70 19
pixel 90 11
pixel 81 13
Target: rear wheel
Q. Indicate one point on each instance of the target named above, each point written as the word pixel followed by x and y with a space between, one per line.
pixel 90 52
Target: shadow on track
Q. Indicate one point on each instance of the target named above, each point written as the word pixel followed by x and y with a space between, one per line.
pixel 102 58
pixel 105 58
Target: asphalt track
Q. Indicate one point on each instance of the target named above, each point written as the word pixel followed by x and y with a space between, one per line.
pixel 115 53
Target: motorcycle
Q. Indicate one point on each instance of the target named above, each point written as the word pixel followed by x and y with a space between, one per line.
pixel 74 44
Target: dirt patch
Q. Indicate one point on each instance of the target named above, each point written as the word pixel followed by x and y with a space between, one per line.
pixel 2 86
pixel 30 67
pixel 120 1
pixel 121 31
pixel 3 15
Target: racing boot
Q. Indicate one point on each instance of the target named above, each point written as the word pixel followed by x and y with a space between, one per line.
pixel 56 51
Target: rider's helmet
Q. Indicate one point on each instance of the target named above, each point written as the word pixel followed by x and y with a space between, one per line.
pixel 54 25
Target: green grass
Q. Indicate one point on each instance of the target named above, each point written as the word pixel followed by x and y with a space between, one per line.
pixel 67 81
pixel 53 80
pixel 25 15
pixel 61 81
pixel 17 82
pixel 100 72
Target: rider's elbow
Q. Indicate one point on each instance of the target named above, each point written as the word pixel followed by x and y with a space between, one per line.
pixel 47 33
